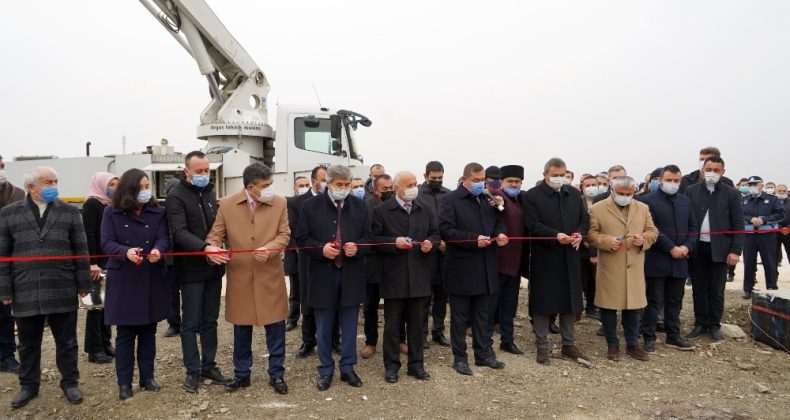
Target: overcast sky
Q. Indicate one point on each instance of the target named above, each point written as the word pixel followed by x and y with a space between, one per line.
pixel 639 83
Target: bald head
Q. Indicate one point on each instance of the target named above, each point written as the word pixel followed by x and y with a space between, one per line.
pixel 405 181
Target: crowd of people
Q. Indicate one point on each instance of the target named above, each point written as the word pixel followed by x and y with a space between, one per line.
pixel 608 243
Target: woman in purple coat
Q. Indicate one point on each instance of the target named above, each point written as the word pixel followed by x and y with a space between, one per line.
pixel 138 294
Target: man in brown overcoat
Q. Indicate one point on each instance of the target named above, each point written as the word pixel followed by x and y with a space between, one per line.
pixel 254 218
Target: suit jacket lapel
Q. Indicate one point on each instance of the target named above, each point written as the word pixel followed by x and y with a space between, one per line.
pixel 614 209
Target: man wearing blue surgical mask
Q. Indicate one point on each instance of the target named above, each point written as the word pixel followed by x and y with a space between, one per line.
pixel 191 208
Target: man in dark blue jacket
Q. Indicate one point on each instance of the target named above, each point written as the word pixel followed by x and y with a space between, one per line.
pixel 762 213
pixel 330 227
pixel 717 208
pixel 666 263
pixel 470 225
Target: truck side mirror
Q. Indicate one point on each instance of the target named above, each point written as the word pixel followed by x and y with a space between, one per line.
pixel 336 145
pixel 311 121
pixel 335 124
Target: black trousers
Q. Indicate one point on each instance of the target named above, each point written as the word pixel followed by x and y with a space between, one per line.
pixel 629 318
pixel 437 310
pixel 782 240
pixel 97 335
pixel 201 302
pixel 503 305
pixel 708 279
pixel 764 244
pixel 294 309
pixel 126 336
pixel 663 293
pixel 588 282
pixel 371 314
pixel 7 339
pixel 397 312
pixel 31 331
pixel 174 319
pixel 474 310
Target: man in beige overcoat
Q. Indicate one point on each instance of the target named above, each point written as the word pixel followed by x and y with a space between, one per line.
pixel 254 219
pixel 622 230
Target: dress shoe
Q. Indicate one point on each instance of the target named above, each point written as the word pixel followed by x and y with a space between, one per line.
pixel 510 348
pixel 324 382
pixel 573 353
pixel 9 365
pixel 649 346
pixel 679 343
pixel 304 351
pixel 215 376
pixel 99 358
pixel 613 353
pixel 23 397
pixel 109 350
pixel 730 277
pixel 125 392
pixel 150 385
pixel 660 327
pixel 747 295
pixel 420 374
pixel 237 383
pixel 462 368
pixel 696 332
pixel 637 353
pixel 554 328
pixel 290 326
pixel 441 340
pixel 404 348
pixel 491 362
pixel 191 383
pixel 279 385
pixel 351 378
pixel 337 348
pixel 171 332
pixel 367 352
pixel 542 357
pixel 73 395
pixel 715 334
pixel 391 376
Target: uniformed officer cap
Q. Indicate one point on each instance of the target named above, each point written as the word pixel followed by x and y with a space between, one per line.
pixel 754 180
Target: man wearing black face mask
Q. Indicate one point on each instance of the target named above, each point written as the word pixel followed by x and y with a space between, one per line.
pixel 493 178
pixel 431 193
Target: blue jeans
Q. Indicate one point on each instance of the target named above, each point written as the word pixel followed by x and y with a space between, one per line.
pixel 201 302
pixel 630 321
pixel 325 323
pixel 242 350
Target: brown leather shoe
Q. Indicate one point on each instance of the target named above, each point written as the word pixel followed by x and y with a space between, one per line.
pixel 637 353
pixel 573 353
pixel 613 354
pixel 404 349
pixel 368 352
pixel 542 357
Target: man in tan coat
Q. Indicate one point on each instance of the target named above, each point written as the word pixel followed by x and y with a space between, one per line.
pixel 254 219
pixel 622 230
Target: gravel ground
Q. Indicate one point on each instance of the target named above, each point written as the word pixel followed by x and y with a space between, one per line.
pixel 714 381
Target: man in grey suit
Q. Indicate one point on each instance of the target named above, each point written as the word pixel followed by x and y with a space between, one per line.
pixel 39 290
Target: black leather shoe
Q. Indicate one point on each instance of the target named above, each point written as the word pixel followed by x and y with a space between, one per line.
pixel 150 385
pixel 324 382
pixel 9 365
pixel 696 332
pixel 109 350
pixel 510 348
pixel 304 351
pixel 747 295
pixel 99 358
pixel 125 392
pixel 290 326
pixel 462 368
pixel 491 362
pixel 279 385
pixel 351 378
pixel 237 383
pixel 649 346
pixel 441 340
pixel 715 334
pixel 73 395
pixel 216 376
pixel 391 376
pixel 172 332
pixel 660 327
pixel 23 397
pixel 554 328
pixel 419 374
pixel 191 383
pixel 337 348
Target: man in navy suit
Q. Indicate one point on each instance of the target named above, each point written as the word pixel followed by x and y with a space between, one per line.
pixel 330 227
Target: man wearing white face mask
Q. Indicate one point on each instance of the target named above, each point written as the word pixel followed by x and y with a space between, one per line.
pixel 254 218
pixel 698 175
pixel 666 264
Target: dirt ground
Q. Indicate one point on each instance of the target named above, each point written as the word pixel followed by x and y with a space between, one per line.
pixel 716 381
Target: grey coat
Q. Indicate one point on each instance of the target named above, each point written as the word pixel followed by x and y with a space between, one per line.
pixel 43 287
